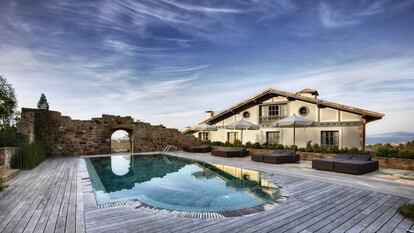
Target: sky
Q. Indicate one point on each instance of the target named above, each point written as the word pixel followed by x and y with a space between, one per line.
pixel 168 61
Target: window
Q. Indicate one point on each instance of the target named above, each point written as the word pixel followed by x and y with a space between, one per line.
pixel 246 114
pixel 231 137
pixel 274 110
pixel 203 136
pixel 303 111
pixel 329 138
pixel 273 138
pixel 271 113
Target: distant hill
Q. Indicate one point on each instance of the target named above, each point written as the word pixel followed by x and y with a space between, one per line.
pixel 393 137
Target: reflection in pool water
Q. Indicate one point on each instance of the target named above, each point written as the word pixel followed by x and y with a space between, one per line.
pixel 177 183
pixel 120 165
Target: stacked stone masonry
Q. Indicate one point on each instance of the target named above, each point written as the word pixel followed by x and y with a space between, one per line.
pixel 86 137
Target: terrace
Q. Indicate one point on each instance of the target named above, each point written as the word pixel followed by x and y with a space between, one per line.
pixel 57 196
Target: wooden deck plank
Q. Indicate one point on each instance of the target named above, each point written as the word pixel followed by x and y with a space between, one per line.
pixel 353 217
pixel 16 182
pixel 331 220
pixel 30 227
pixel 367 220
pixel 391 224
pixel 54 213
pixel 18 206
pixel 383 219
pixel 40 200
pixel 16 193
pixel 47 210
pixel 54 197
pixel 64 206
pixel 280 221
pixel 339 208
pixel 80 215
pixel 403 226
pixel 235 222
pixel 70 225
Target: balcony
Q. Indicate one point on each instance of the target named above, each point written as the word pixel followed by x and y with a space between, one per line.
pixel 266 121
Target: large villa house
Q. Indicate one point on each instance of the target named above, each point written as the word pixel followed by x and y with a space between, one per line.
pixel 335 124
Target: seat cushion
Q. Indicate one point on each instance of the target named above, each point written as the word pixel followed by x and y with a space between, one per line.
pixel 361 157
pixel 283 152
pixel 343 156
pixel 277 158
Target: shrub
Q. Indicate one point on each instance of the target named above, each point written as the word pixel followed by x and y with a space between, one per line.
pixel 227 143
pixel 217 143
pixel 10 137
pixel 28 156
pixel 387 150
pixel 407 211
pixel 206 142
pixel 237 143
pixel 256 145
pixel 248 144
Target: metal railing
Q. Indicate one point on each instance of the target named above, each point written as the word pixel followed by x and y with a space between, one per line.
pixel 166 150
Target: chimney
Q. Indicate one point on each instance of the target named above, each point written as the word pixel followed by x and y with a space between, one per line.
pixel 308 92
pixel 209 114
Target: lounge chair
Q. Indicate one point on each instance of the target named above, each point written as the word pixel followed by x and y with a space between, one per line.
pixel 198 149
pixel 357 165
pixel 328 164
pixel 230 152
pixel 279 156
pixel 347 163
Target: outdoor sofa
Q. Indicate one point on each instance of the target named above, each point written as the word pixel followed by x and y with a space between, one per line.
pixel 230 151
pixel 278 157
pixel 198 149
pixel 347 163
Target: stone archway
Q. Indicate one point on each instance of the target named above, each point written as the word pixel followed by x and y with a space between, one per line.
pixel 129 132
pixel 87 137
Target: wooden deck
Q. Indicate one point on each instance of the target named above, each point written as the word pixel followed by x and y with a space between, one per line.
pixel 56 196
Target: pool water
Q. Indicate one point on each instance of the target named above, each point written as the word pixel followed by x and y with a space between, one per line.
pixel 174 183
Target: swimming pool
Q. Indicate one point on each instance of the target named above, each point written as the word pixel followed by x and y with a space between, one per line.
pixel 179 184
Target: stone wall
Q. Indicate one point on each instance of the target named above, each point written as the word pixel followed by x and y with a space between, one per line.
pixel 87 137
pixel 394 163
pixel 6 154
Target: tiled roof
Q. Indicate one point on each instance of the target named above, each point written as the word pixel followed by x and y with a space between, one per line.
pixel 369 115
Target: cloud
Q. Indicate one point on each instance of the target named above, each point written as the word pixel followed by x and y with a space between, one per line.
pixel 166 61
pixel 336 15
pixel 205 9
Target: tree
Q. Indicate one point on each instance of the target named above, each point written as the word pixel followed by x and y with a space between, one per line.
pixel 43 104
pixel 8 103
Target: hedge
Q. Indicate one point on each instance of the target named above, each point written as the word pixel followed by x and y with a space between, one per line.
pixel 379 150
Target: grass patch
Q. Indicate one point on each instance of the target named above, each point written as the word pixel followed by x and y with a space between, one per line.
pixel 407 211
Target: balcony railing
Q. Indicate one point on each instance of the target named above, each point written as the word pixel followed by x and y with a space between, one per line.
pixel 268 120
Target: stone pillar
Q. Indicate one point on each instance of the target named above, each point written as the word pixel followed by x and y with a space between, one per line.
pixel 6 153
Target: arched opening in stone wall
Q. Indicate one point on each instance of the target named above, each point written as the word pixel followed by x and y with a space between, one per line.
pixel 121 141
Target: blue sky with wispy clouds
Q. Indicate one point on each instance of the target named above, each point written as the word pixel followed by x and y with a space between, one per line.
pixel 167 61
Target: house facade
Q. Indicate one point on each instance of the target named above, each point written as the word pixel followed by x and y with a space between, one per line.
pixel 335 124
